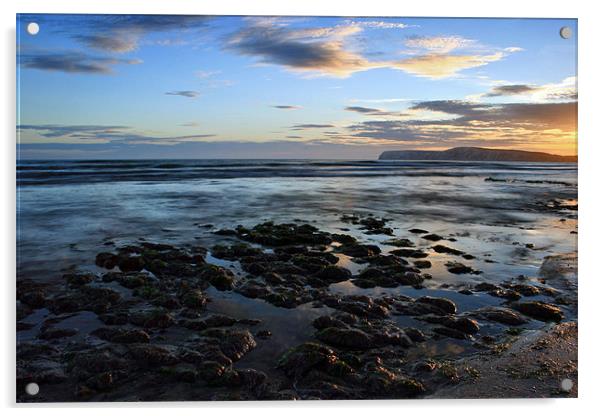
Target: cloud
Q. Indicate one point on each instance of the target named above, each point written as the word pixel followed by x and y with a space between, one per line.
pixel 566 90
pixel 324 51
pixel 122 33
pixel 286 107
pixel 95 134
pixel 185 93
pixel 380 24
pixel 443 66
pixel 311 126
pixel 72 62
pixel 372 111
pixel 121 44
pixel 439 44
pixel 206 74
pixel 54 130
pixel 548 125
pixel 514 89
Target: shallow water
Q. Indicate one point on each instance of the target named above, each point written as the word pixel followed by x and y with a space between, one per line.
pixel 68 211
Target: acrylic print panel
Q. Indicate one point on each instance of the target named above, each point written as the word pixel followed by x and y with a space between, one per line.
pixel 278 208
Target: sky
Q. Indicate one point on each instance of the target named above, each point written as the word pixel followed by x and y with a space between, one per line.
pixel 152 86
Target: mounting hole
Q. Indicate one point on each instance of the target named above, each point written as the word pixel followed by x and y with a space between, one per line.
pixel 32 389
pixel 566 385
pixel 33 28
pixel 565 32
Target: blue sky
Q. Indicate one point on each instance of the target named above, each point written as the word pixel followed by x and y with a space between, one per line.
pixel 110 86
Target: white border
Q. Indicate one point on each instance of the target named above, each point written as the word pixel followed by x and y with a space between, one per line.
pixel 589 183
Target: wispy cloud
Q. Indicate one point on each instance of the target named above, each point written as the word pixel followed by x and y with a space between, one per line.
pixel 324 51
pixel 565 90
pixel 72 62
pixel 513 89
pixel 104 134
pixel 286 107
pixel 185 93
pixel 122 33
pixel 372 111
pixel 311 126
pixel 439 44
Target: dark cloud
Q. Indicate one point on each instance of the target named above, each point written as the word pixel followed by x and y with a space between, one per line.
pixel 74 62
pixel 286 107
pixel 185 93
pixel 323 50
pixel 105 134
pixel 116 44
pixel 54 130
pixel 117 33
pixel 534 115
pixel 372 111
pixel 311 126
pixel 467 122
pixel 515 89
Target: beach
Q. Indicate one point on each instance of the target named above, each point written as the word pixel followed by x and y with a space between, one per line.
pixel 293 279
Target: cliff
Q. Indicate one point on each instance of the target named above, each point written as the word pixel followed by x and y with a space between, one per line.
pixel 475 154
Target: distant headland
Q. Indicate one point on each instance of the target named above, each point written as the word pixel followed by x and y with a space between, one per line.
pixel 475 154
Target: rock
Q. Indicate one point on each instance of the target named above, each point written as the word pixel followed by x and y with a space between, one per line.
pixel 56 333
pixel 445 305
pixel 505 294
pixel 400 242
pixel 121 335
pixel 333 274
pixel 432 237
pixel 418 231
pixel 130 263
pixel 79 279
pixel 450 332
pixel 153 319
pixel 194 299
pixel 233 343
pixel 459 268
pixel 344 239
pixel 408 252
pixel 360 250
pixel 539 310
pixel 106 260
pixel 299 360
pixel 263 334
pixel 35 298
pixel 502 315
pixel 253 289
pixel 486 287
pixel 326 321
pixel 211 371
pixel 279 235
pixel 345 338
pixel 423 264
pixel 447 250
pixel 382 382
pixel 525 290
pixel 409 279
pixel 152 355
pixel 222 279
pixel 415 334
pixel 363 283
pixel 462 324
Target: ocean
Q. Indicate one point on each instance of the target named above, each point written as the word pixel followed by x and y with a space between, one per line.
pixel 509 216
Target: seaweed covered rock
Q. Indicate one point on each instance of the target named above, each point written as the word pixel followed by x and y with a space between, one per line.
pixel 271 234
pixel 539 310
